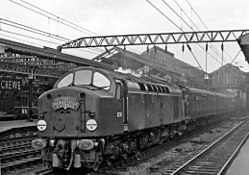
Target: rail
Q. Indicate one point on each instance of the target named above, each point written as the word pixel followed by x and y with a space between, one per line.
pixel 207 160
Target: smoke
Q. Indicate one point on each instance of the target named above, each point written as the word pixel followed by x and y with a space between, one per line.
pixel 136 73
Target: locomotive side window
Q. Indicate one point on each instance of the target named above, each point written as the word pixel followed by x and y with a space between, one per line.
pixel 119 94
pixel 149 87
pixel 66 81
pixel 142 87
pixel 101 81
pixel 159 88
pixel 83 77
pixel 154 88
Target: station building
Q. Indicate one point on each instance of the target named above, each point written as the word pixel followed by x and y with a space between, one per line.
pixel 157 63
pixel 162 63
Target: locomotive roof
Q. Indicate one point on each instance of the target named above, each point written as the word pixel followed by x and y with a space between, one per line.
pixel 120 75
pixel 146 81
pixel 205 92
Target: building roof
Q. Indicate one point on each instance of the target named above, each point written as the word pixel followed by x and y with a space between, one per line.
pixel 46 52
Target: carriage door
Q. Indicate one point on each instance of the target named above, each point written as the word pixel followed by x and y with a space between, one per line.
pixel 122 100
pixel 186 104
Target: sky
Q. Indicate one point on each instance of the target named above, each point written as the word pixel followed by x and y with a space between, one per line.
pixel 71 19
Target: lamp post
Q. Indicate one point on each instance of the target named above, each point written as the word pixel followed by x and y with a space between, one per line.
pixel 30 112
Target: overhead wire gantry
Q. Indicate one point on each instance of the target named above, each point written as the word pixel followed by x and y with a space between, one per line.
pixel 156 38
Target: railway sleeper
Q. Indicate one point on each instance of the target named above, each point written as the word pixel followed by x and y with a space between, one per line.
pixel 189 172
pixel 204 169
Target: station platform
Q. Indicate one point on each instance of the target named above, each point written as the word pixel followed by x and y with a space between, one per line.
pixel 240 165
pixel 7 125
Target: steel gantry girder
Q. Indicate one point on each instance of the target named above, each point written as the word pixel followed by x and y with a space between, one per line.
pixel 156 38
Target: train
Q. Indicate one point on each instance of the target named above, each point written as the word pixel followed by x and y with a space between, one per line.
pixel 94 116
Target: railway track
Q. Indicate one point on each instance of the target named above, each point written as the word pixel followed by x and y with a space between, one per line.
pixel 17 154
pixel 125 166
pixel 217 157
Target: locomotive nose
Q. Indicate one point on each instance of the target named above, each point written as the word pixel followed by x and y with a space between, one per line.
pixel 62 110
pixel 65 107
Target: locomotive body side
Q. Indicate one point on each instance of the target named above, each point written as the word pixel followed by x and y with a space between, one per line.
pixel 153 108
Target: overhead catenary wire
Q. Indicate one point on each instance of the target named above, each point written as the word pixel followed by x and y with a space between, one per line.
pixel 192 29
pixel 86 31
pixel 35 38
pixel 25 41
pixel 31 29
pixel 193 23
pixel 164 15
pixel 192 8
pixel 172 23
pixel 215 50
pixel 222 46
pixel 196 14
pixel 177 14
pixel 194 57
pixel 27 36
pixel 36 31
pixel 55 18
pixel 59 18
pixel 76 27
pixel 236 56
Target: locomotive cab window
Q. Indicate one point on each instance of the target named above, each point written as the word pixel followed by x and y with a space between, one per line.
pixel 101 81
pixel 66 81
pixel 83 77
pixel 87 78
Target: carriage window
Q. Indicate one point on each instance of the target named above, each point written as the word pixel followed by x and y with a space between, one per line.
pixel 101 81
pixel 66 81
pixel 83 77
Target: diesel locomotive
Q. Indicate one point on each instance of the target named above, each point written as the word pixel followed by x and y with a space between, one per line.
pixel 94 115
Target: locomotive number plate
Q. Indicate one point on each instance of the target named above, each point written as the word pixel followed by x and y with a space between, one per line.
pixel 65 103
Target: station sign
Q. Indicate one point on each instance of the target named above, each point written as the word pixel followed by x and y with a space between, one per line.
pixel 7 84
